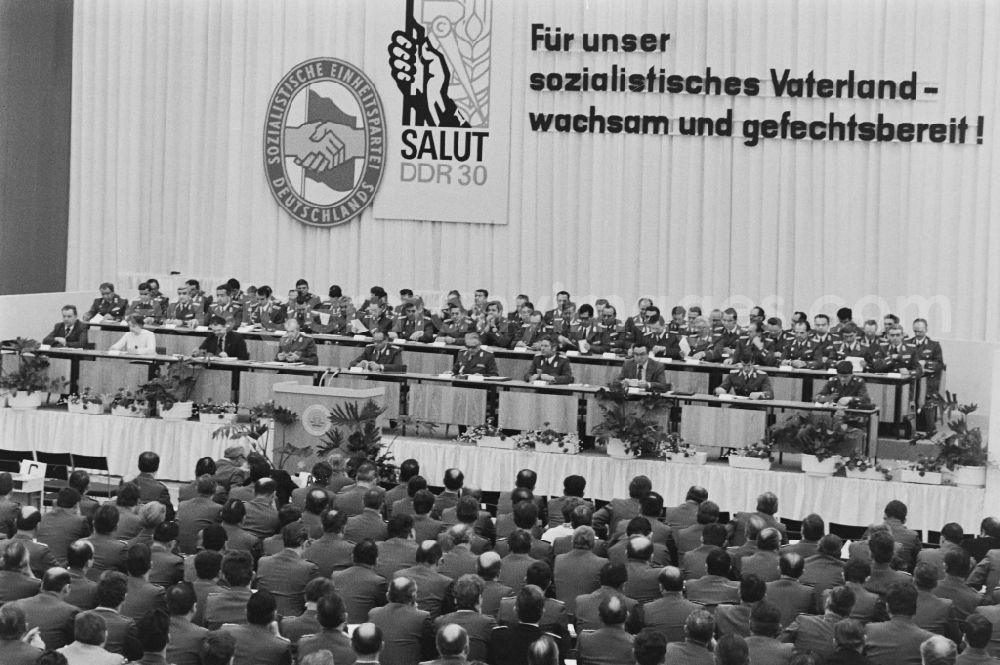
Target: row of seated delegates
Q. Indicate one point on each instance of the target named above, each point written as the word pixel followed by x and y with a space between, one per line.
pixel 677 572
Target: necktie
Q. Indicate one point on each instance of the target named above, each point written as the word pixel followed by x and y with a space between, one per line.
pixel 642 372
pixel 68 329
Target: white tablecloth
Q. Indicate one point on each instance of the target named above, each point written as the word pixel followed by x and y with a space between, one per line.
pixel 840 500
pixel 120 440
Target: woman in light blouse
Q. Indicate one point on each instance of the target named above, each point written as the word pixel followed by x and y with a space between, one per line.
pixel 137 340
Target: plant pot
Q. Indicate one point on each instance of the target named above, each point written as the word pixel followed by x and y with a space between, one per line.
pixel 757 463
pixel 554 449
pixel 695 458
pixel 177 411
pixel 867 474
pixel 217 418
pixel 617 450
pixel 87 408
pixel 969 476
pixel 126 412
pixel 24 400
pixel 507 443
pixel 813 466
pixel 929 477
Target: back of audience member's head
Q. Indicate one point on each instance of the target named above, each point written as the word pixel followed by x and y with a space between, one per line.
pixel 613 575
pixel 840 600
pixel 953 533
pixel 956 563
pixel 317 588
pixel 13 623
pixel 373 499
pixel 767 503
pixel 529 603
pixel 407 469
pixel 718 562
pixel 152 514
pixel 261 608
pixel 791 564
pixel 813 527
pixel 651 505
pixel 399 526
pixel 138 559
pixel 543 651
pixel 290 513
pixel 330 610
pixel 765 619
pixel 612 610
pixel 154 630
pixel 671 578
pixel 901 599
pixel 639 548
pixel 27 518
pixel 79 554
pixel 830 545
pixel 128 495
pixel 205 466
pixel 317 500
pixel 649 647
pixel 453 480
pixel 925 576
pixel 539 573
pixel 526 478
pixel 468 590
pixel 460 534
pixel 207 564
pixel 322 471
pixel 882 547
pixel 732 650
pixel 520 495
pixel 525 515
pixel 696 493
pixel 639 487
pixel 205 485
pixel 638 526
pixel 584 538
pixel 423 501
pixel 181 599
pixel 519 541
pixel 714 534
pixel 769 540
pixel 488 565
pixel 582 515
pixel 367 473
pixel 849 634
pixel 264 486
pixel 574 486
pixel 366 640
pixel 217 648
pixel 15 556
pixel 89 628
pixel 977 630
pixel 752 588
pixel 755 525
pixel 467 510
pixel 896 510
pixel 334 521
pixel 402 590
pixel 55 579
pixel 428 552
pixel 67 498
pixel 149 462
pixel 857 571
pixel 365 553
pixel 166 532
pixel 78 480
pixel 700 626
pixel 451 640
pixel 294 535
pixel 233 512
pixel 806 658
pixel 214 537
pixel 708 512
pixel 414 485
pixel 111 589
pixel 938 650
pixel 237 568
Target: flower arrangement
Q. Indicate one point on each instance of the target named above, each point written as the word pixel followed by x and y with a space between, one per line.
pixel 821 435
pixel 925 464
pixel 31 375
pixel 636 422
pixel 263 416
pixel 85 397
pixel 674 448
pixel 858 462
pixel 208 407
pixel 475 434
pixel 128 403
pixel 763 449
pixel 958 445
pixel 548 440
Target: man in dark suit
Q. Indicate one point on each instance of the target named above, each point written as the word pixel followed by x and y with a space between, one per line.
pixel 767 508
pixel 9 507
pixel 71 333
pixel 692 562
pixel 478 627
pixel 40 558
pixel 824 570
pixel 294 347
pixel 424 526
pixel 399 550
pixel 122 634
pixel 360 587
pixel 953 587
pixel 141 596
pixel 765 624
pixel 151 489
pixel 845 389
pixel 690 538
pixel 933 613
pixel 459 559
pixel 82 592
pixel 368 523
pixel 332 618
pixel 643 584
pixel 883 575
pixel 432 586
pixel 715 588
pixel 735 619
pixel 63 525
pixel 686 513
pixel 405 629
pixel 668 614
pixel 699 630
pixel 897 640
pixel 609 643
pixel 261 514
pixel 494 591
pixel 747 381
pixel 643 373
pixel 229 605
pixel 286 573
pixel 195 514
pixel 49 611
pixel 380 356
pixel 351 499
pixel 473 360
pixel 109 552
pixel 578 572
pixel 332 551
pixel 307 623
pixel 167 567
pixel 616 510
pixel 849 639
pixel 809 632
pixel 613 578
pixel 186 638
pixel 548 367
pixel 110 305
pixel 790 597
pixel 223 342
pixel 207 569
pixel 509 644
pixel 255 641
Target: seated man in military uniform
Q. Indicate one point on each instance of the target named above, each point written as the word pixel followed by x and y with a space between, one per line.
pixel 184 311
pixel 266 312
pixel 850 348
pixel 583 333
pixel 294 347
pixel 747 381
pixel 110 306
pixel 800 352
pixel 224 306
pixel 413 326
pixel 454 326
pixel 150 310
pixel 547 366
pixel 473 360
pixel 753 349
pixel 702 344
pixel 380 356
pixel 494 328
pixel 333 316
pixel 377 317
pixel 659 341
pixel 896 355
pixel 845 389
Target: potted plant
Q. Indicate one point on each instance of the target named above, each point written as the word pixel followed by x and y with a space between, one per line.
pixel 127 404
pixel 256 433
pixel 859 466
pixel 172 390
pixel 487 435
pixel 757 456
pixel 926 470
pixel 28 385
pixel 223 413
pixel 821 438
pixel 547 440
pixel 87 402
pixel 631 426
pixel 961 449
pixel 675 449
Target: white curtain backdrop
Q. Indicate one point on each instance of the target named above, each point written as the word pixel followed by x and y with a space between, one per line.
pixel 168 111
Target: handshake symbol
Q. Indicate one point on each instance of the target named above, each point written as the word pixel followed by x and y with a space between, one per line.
pixel 323 145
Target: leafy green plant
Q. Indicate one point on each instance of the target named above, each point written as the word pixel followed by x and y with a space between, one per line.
pixel 174 385
pixel 957 445
pixel 546 436
pixel 857 461
pixel 818 434
pixel 32 373
pixel 763 449
pixel 257 432
pixel 474 434
pixel 674 445
pixel 635 421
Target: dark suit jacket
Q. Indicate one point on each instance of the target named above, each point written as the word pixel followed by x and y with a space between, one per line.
pixel 493 593
pixel 16 652
pixel 404 630
pixel 713 590
pixel 192 517
pixel 59 528
pixel 509 644
pixel 587 612
pixel 151 489
pixel 52 616
pixel 185 642
pixel 656 374
pixel 604 646
pixel 769 650
pixel 295 628
pixel 577 573
pixel 82 591
pixel 479 627
pixel 75 339
pixel 232 343
pixel 367 524
pixel 257 645
pixel 123 636
pixel 395 554
pixel 330 553
pixel 458 561
pixel 142 597
pixel 286 575
pixel 896 641
pixel 228 606
pixel 391 358
pixel 667 615
pixel 682 516
pixel 813 633
pixel 362 590
pixel 480 362
pixel 557 367
pixel 167 567
pixel 432 587
pixel 334 641
pixel 262 517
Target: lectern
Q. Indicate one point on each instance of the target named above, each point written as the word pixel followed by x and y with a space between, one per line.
pixel 313 405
